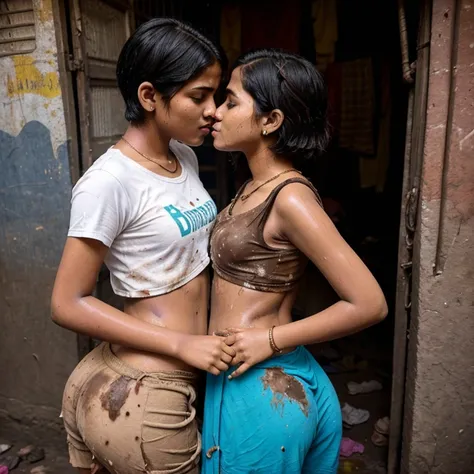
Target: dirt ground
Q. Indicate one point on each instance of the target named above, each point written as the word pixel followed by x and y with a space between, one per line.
pixel 378 360
pixel 373 461
pixel 55 461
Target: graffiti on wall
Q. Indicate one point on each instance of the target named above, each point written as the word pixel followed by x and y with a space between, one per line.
pixel 28 79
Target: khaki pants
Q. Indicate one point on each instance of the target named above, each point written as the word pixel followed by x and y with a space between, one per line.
pixel 130 421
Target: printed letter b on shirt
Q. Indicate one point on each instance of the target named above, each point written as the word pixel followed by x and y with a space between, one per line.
pixel 181 220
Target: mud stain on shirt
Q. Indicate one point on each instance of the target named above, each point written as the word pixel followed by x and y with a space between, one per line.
pixel 284 386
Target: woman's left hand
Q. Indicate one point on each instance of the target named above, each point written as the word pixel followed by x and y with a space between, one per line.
pixel 252 346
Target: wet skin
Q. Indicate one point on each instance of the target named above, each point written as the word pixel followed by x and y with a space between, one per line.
pixel 165 332
pixel 295 221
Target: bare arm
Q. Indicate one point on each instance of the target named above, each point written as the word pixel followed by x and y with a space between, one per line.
pixel 74 307
pixel 305 224
pixel 362 303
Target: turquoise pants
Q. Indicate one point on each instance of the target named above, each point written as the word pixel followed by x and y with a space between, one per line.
pixel 281 417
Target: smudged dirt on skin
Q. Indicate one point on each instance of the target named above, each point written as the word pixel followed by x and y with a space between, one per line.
pixel 284 386
pixel 115 397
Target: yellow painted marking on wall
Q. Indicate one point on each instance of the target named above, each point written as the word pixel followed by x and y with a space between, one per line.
pixel 45 11
pixel 29 80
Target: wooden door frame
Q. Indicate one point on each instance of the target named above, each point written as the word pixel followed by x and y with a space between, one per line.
pixel 78 53
pixel 66 80
pixel 73 80
pixel 79 61
pixel 68 68
pixel 408 261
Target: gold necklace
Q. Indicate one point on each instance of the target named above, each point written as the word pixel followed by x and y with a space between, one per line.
pixel 243 197
pixel 150 159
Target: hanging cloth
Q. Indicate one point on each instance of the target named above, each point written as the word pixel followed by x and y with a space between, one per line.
pixel 324 13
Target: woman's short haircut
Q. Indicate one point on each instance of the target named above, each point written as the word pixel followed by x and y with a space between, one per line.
pixel 280 80
pixel 165 52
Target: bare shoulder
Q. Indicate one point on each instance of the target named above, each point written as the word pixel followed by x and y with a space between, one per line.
pixel 297 198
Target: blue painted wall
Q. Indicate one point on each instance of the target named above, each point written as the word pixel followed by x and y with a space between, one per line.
pixel 36 357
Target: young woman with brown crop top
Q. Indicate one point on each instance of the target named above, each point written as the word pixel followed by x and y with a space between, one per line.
pixel 129 405
pixel 276 411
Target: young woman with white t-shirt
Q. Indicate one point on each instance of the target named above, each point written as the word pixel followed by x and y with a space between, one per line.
pixel 141 209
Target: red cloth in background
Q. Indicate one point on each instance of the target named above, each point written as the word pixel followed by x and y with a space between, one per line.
pixel 271 24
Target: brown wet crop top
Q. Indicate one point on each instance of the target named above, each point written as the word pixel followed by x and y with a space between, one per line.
pixel 240 254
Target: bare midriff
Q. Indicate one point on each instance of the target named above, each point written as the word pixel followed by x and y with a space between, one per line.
pixel 234 306
pixel 183 310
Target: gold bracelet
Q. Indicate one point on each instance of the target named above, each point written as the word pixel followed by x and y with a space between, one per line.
pixel 273 346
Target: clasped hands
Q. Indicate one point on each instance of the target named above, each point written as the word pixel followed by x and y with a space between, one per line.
pixel 249 345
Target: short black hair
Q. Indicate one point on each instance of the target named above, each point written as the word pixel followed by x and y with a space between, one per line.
pixel 165 52
pixel 280 80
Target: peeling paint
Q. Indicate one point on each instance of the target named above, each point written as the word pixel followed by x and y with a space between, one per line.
pixel 45 11
pixel 35 189
pixel 29 80
pixel 34 212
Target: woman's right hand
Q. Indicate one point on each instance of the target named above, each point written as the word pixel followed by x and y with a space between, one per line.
pixel 209 353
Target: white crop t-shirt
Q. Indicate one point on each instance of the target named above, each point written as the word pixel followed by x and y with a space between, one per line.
pixel 157 228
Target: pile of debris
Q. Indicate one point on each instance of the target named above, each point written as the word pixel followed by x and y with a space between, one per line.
pixel 29 454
